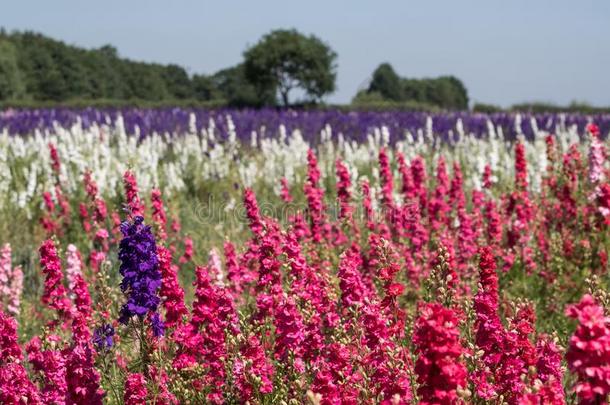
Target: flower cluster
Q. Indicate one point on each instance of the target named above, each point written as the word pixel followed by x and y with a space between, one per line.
pixel 140 271
pixel 440 372
pixel 589 351
pixel 374 300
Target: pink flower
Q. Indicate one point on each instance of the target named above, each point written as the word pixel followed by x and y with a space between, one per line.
pixel 487 177
pixel 285 191
pixel 367 205
pixel 188 250
pixel 160 379
pixel 289 331
pixel 353 290
pixel 597 158
pixel 135 390
pixel 215 266
pixel 51 365
pixel 387 180
pixel 316 209
pixel 55 162
pixel 84 217
pixel 407 179
pixel 83 380
pixel 171 292
pixel 456 191
pixel 203 340
pixel 550 375
pixel 54 292
pixel 520 166
pixel 592 129
pixel 15 386
pixel 6 263
pixel 9 348
pixel 74 265
pixel 158 213
pixel 336 379
pixel 252 362
pixel 588 354
pixel 440 372
pixel 252 212
pixel 14 294
pixel 83 310
pixel 132 199
pixel 438 208
pixel 237 275
pixel 343 190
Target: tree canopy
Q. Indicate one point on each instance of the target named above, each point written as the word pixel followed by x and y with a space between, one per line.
pixel 445 92
pixel 284 60
pixel 284 67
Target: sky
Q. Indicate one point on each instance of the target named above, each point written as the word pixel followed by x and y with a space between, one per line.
pixel 505 52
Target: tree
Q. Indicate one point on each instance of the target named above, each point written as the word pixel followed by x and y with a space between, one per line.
pixel 11 82
pixel 238 91
pixel 204 88
pixel 284 60
pixel 386 82
pixel 178 82
pixel 446 92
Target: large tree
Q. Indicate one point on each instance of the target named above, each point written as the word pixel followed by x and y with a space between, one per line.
pixel 284 60
pixel 386 82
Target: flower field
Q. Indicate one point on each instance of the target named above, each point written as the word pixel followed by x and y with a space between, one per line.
pixel 321 257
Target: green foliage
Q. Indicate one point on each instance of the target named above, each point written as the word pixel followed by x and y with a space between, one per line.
pixel 204 88
pixel 36 68
pixel 486 108
pixel 238 91
pixel 386 83
pixel 446 92
pixel 11 81
pixel 376 101
pixel 178 82
pixel 284 60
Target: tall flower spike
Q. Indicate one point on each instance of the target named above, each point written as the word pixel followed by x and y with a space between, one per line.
pixel 132 198
pixel 285 191
pixel 14 296
pixel 251 366
pixel 171 291
pixel 588 354
pixel 15 386
pixel 140 271
pixel 520 166
pixel 158 213
pixel 82 378
pixel 135 390
pixel 6 264
pixel 252 212
pixel 343 190
pixel 439 369
pixel 54 291
pixel 74 265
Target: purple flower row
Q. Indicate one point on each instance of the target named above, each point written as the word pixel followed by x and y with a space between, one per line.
pixel 352 124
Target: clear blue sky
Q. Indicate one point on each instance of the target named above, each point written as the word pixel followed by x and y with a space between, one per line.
pixel 505 51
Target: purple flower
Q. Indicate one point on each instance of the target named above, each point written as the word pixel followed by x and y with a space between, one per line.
pixel 140 271
pixel 102 337
pixel 158 327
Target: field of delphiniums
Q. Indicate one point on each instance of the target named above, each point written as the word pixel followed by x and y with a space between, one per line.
pixel 191 257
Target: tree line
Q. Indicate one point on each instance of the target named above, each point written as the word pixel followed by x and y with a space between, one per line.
pixel 35 68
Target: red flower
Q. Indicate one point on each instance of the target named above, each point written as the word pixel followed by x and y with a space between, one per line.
pixel 440 372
